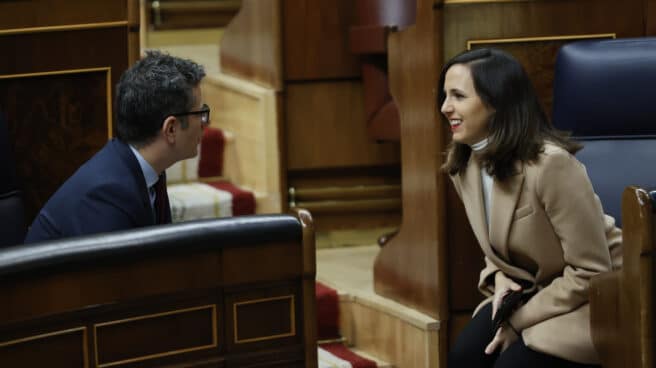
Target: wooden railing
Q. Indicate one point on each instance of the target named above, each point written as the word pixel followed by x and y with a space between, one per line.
pixel 228 292
pixel 172 14
pixel 360 198
pixel 622 301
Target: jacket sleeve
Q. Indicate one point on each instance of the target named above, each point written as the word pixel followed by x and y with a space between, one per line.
pixel 578 220
pixel 486 279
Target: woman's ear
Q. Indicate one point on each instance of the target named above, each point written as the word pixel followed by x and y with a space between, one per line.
pixel 170 129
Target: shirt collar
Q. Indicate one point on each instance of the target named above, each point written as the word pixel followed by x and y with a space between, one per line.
pixel 148 172
pixel 477 147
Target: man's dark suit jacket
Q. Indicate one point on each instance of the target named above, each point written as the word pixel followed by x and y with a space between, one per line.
pixel 106 193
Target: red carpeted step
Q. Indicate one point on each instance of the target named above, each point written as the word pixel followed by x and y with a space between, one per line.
pixel 243 201
pixel 327 312
pixel 342 352
pixel 210 161
pixel 328 327
pixel 210 164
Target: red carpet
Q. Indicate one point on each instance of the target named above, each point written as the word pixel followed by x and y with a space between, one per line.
pixel 243 201
pixel 328 327
pixel 327 312
pixel 210 163
pixel 342 352
pixel 210 160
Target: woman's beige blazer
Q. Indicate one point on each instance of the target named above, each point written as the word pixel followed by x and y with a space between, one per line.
pixel 547 227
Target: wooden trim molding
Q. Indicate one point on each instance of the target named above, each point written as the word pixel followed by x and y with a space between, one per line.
pixel 108 84
pixel 292 319
pixel 85 350
pixel 214 343
pixel 175 14
pixel 67 27
pixel 466 2
pixel 471 43
pixel 341 193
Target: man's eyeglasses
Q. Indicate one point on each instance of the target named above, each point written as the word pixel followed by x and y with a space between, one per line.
pixel 204 113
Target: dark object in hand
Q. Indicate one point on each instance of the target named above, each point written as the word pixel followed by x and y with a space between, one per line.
pixel 509 303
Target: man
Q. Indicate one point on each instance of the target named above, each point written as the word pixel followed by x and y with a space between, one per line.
pixel 159 121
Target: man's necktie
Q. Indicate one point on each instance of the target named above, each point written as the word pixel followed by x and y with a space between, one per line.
pixel 162 209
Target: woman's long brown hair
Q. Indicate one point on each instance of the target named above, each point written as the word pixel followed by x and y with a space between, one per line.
pixel 518 128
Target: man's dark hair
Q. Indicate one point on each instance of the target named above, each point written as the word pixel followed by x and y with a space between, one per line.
pixel 154 88
pixel 518 127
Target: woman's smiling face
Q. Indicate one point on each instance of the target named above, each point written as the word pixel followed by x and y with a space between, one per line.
pixel 464 109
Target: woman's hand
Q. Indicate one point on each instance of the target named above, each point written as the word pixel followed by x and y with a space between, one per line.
pixel 504 337
pixel 502 286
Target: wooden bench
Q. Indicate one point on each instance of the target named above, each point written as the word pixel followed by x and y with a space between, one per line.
pixel 224 292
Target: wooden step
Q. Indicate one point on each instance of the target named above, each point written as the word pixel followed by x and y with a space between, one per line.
pixel 379 363
pixel 371 323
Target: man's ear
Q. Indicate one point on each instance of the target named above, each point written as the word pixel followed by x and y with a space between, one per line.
pixel 170 129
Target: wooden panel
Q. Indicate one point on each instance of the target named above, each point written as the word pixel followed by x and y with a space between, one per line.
pixel 350 177
pixel 59 121
pixel 64 116
pixel 65 290
pixel 637 288
pixel 251 44
pixel 63 349
pixel 523 26
pixel 264 319
pixel 280 357
pixel 650 17
pixel 411 268
pixel 142 338
pixel 325 128
pixel 177 14
pixel 65 50
pixel 538 18
pixel 465 258
pixel 172 309
pixel 393 339
pixel 606 319
pixel 259 319
pixel 275 262
pixel 40 13
pixel 622 301
pixel 316 39
pixel 308 299
pixel 134 31
pixel 354 221
pixel 251 114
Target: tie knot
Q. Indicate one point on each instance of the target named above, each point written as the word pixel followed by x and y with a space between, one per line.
pixel 159 185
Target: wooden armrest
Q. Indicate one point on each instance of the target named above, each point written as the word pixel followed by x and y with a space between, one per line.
pixel 605 318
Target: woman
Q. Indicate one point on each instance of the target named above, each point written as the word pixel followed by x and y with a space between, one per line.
pixel 534 213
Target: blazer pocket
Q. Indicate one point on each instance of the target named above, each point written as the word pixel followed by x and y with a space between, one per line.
pixel 523 212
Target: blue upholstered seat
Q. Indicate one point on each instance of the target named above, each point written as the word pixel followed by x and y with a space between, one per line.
pixel 605 94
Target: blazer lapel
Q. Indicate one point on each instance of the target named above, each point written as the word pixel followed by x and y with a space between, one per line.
pixel 146 216
pixel 504 201
pixel 472 194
